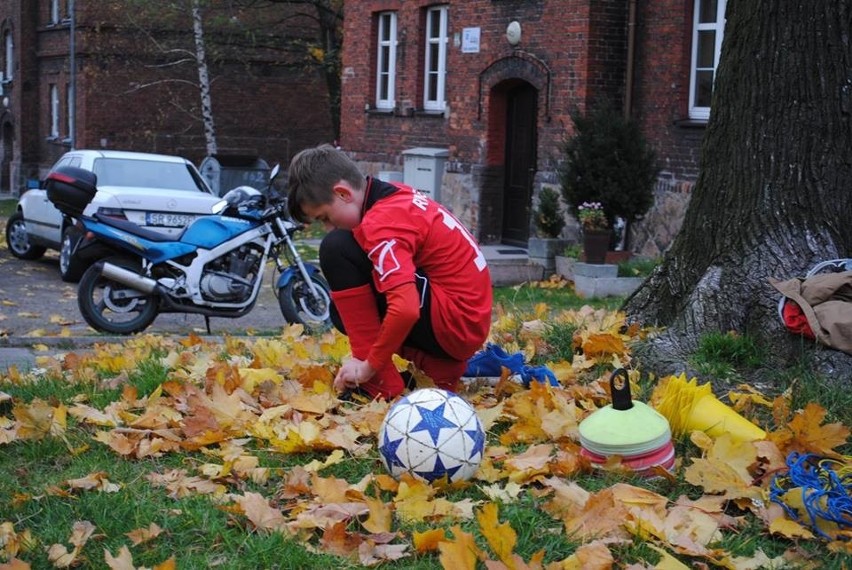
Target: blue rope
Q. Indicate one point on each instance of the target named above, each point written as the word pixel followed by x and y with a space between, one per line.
pixel 826 489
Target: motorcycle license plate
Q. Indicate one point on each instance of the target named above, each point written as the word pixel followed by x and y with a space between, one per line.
pixel 168 220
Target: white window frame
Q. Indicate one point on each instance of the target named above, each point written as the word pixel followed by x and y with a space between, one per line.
pixel 54 111
pixel 435 72
pixel 55 15
pixel 386 60
pixel 10 56
pixel 696 112
pixel 69 111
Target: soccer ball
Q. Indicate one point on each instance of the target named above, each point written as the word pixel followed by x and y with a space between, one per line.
pixel 432 433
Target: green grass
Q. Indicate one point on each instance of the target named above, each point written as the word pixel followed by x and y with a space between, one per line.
pixel 7 207
pixel 522 297
pixel 203 533
pixel 724 355
pixel 637 267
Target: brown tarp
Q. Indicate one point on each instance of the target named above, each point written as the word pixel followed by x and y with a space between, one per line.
pixel 826 301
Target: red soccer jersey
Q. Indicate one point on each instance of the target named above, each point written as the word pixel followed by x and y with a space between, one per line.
pixel 405 231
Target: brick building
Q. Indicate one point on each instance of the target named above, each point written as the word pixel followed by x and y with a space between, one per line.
pixel 488 86
pixel 132 93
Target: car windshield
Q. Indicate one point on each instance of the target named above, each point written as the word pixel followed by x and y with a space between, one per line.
pixel 146 174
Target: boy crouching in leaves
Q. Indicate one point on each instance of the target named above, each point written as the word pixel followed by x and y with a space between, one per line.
pixel 406 276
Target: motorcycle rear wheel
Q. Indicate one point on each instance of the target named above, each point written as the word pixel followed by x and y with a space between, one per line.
pixel 300 307
pixel 111 307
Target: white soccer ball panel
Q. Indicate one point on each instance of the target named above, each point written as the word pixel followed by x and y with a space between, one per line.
pixel 432 433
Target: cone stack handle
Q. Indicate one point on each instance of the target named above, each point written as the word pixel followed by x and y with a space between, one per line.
pixel 621 399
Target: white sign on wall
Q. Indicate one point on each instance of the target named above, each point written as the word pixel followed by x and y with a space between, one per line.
pixel 470 40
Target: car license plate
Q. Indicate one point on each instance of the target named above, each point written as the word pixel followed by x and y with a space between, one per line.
pixel 167 220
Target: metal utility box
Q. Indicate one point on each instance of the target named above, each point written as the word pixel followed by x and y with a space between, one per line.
pixel 423 169
pixel 226 172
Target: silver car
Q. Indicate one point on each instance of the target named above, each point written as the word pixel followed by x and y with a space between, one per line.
pixel 158 192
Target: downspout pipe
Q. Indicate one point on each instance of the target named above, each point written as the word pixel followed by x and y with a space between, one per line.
pixel 631 50
pixel 72 84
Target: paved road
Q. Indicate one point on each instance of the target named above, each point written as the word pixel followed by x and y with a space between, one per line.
pixel 38 308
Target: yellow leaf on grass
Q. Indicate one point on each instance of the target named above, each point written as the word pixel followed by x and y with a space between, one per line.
pixel 789 529
pixel 460 553
pixel 39 419
pixel 428 540
pixel 592 556
pixel 260 513
pixel 599 344
pixel 501 537
pixel 124 560
pixel 381 516
pixel 805 432
pixel 142 535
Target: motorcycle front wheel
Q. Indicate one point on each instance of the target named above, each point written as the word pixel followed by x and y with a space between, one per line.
pixel 111 307
pixel 298 305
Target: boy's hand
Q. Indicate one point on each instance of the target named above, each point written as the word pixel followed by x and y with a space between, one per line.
pixel 352 374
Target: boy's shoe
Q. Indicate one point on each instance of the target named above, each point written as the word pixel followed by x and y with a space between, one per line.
pixel 539 374
pixel 490 362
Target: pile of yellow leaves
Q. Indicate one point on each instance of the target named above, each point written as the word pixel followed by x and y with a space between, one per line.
pixel 275 394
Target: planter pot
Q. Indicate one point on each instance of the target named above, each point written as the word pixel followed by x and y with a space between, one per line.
pixel 596 245
pixel 542 251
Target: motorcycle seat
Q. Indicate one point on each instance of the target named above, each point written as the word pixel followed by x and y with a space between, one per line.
pixel 134 229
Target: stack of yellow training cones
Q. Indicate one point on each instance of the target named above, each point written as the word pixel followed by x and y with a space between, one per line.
pixel 690 407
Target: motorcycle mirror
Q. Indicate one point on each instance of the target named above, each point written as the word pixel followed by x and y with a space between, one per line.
pixel 274 172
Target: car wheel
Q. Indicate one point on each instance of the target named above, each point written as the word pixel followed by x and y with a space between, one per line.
pixel 70 268
pixel 18 241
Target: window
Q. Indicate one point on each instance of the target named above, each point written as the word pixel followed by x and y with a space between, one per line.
pixel 386 62
pixel 69 106
pixel 707 32
pixel 55 12
pixel 54 111
pixel 10 56
pixel 436 59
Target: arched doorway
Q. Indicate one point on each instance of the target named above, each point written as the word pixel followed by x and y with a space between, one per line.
pixel 519 162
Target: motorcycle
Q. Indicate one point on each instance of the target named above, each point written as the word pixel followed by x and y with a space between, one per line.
pixel 214 268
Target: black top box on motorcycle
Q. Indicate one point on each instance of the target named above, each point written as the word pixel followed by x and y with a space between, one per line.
pixel 71 189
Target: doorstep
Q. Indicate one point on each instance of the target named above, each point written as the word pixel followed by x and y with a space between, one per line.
pixel 510 265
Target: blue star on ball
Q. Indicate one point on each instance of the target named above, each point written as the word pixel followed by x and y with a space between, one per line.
pixel 439 471
pixel 388 450
pixel 478 438
pixel 433 421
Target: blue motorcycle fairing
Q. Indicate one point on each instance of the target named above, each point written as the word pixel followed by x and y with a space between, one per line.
pixel 288 274
pixel 154 251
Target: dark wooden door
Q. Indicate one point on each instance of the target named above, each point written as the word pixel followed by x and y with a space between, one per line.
pixel 521 139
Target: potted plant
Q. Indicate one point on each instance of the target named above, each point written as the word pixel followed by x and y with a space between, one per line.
pixel 596 231
pixel 549 222
pixel 608 161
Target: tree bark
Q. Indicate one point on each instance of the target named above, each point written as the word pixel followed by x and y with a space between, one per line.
pixel 774 193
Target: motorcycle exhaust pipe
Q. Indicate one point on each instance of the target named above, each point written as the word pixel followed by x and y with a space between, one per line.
pixel 129 278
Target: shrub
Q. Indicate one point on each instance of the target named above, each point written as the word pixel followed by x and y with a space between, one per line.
pixel 548 215
pixel 608 161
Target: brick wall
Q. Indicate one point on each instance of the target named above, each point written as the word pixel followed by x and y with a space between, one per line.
pixel 574 52
pixel 267 101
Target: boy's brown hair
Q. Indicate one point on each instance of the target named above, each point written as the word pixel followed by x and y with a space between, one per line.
pixel 312 175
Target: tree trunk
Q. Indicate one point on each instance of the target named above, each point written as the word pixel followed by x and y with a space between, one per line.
pixel 774 193
pixel 203 80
